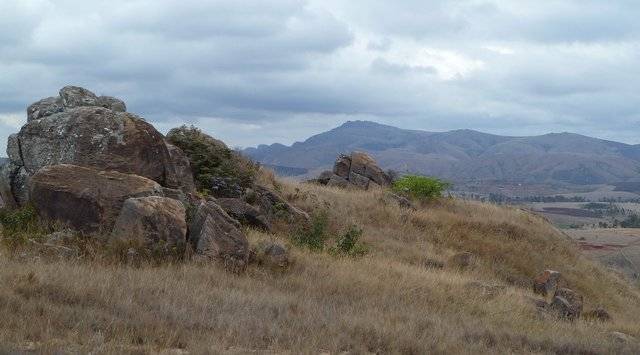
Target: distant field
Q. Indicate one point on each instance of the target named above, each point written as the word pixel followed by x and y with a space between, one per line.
pixel 617 248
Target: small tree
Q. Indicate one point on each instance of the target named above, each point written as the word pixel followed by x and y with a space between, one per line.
pixel 421 187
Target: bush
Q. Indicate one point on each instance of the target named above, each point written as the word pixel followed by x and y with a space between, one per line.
pixel 349 245
pixel 313 237
pixel 421 187
pixel 211 158
pixel 19 225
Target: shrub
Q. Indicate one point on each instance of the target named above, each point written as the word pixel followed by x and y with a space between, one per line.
pixel 421 187
pixel 313 237
pixel 349 245
pixel 211 158
pixel 19 225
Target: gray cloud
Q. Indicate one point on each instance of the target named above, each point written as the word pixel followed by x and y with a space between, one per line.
pixel 262 71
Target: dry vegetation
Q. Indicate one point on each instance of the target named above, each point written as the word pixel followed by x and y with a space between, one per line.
pixel 389 301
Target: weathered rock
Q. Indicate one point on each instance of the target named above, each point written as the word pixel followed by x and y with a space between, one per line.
pixel 272 254
pixel 324 177
pixel 359 170
pixel 244 213
pixel 158 222
pixel 14 185
pixel 622 338
pixel 95 137
pixel 342 166
pixel 337 181
pixel 363 164
pixel 13 149
pixel 112 103
pixel 598 314
pixel 274 207
pixel 215 235
pixel 180 174
pixel 85 199
pixel 5 186
pixel 358 180
pixel 43 108
pixel 546 283
pixel 567 304
pixel 462 260
pixel 401 200
pixel 74 96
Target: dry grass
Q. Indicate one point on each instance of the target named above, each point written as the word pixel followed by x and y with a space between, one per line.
pixel 385 302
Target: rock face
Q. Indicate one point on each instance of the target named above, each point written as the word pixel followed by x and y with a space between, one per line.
pixel 358 170
pixel 546 283
pixel 215 235
pixel 181 177
pixel 86 199
pixel 79 128
pixel 159 222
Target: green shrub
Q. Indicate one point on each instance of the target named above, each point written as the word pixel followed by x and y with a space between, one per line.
pixel 349 244
pixel 421 187
pixel 19 225
pixel 211 158
pixel 313 237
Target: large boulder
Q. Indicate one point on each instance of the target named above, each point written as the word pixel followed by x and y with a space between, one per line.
pixel 95 137
pixel 364 165
pixel 215 235
pixel 180 175
pixel 358 170
pixel 80 128
pixel 158 222
pixel 85 199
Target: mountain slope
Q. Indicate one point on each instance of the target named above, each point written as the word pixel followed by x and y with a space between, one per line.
pixel 466 155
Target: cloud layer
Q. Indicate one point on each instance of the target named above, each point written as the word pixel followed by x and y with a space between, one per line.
pixel 260 71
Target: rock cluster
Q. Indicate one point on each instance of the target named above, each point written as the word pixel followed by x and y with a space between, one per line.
pixel 84 162
pixel 356 170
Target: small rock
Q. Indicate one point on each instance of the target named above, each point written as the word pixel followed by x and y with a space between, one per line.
pixel 598 314
pixel 462 260
pixel 244 213
pixel 401 201
pixel 433 264
pixel 622 338
pixel 546 283
pixel 272 254
pixel 567 304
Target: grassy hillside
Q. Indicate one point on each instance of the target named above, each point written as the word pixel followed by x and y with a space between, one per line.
pixel 404 296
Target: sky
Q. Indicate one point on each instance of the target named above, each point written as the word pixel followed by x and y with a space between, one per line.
pixel 262 71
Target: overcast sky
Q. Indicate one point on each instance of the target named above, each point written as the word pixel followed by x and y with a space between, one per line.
pixel 260 71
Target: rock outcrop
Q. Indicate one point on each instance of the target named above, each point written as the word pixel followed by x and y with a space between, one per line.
pixel 244 213
pixel 546 283
pixel 82 129
pixel 567 304
pixel 158 222
pixel 215 235
pixel 86 199
pixel 358 170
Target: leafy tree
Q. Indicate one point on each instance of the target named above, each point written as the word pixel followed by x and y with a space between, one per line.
pixel 421 187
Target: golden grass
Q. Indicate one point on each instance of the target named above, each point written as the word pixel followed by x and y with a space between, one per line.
pixel 385 302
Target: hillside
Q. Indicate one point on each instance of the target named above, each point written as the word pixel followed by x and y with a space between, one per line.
pixel 118 239
pixel 404 296
pixel 466 155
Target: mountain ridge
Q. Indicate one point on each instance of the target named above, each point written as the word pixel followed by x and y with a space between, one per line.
pixel 465 155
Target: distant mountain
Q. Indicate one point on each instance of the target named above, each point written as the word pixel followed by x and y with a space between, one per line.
pixel 465 155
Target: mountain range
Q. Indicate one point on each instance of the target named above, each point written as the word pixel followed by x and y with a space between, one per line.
pixel 463 155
